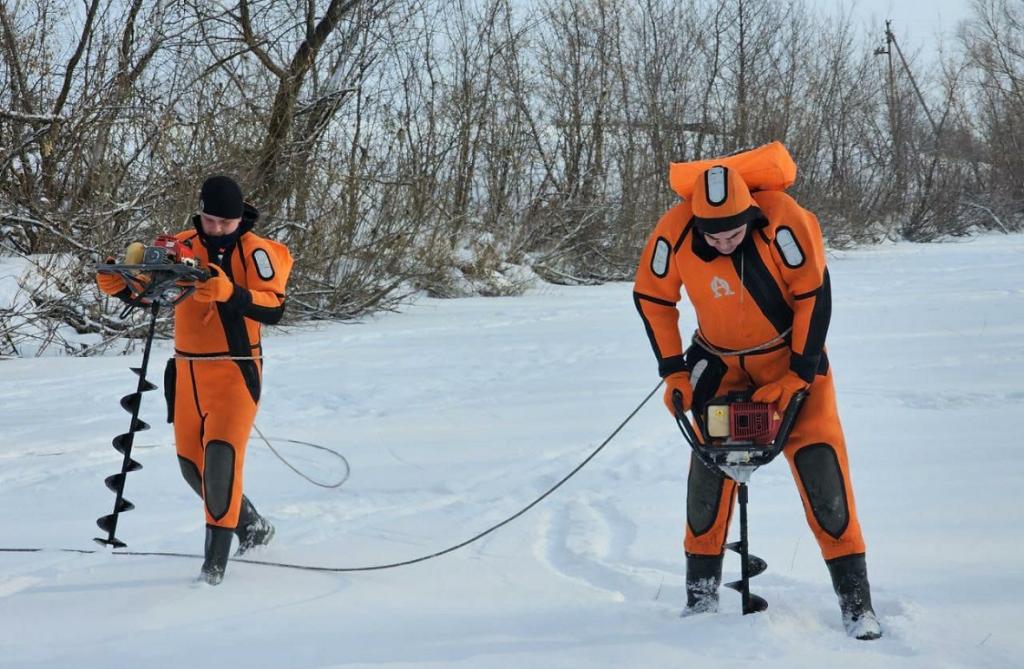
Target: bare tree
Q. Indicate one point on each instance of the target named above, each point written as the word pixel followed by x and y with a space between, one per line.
pixel 451 146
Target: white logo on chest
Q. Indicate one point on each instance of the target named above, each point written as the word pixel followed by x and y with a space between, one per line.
pixel 720 287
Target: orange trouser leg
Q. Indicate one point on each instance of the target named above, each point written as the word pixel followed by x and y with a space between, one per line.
pixel 816 452
pixel 817 458
pixel 710 497
pixel 188 428
pixel 213 415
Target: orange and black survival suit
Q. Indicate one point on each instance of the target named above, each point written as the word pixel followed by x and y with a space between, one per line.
pixel 217 372
pixel 213 383
pixel 763 313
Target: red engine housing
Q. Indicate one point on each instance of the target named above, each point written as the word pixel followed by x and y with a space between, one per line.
pixel 734 418
pixel 176 250
pixel 754 421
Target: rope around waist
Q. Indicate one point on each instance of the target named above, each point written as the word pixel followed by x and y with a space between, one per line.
pixel 185 355
pixel 775 343
pixel 212 358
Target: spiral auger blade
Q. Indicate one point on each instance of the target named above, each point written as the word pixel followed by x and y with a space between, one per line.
pixel 123 443
pixel 751 603
pixel 750 565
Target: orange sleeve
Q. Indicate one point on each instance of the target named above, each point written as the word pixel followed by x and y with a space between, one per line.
pixel 799 252
pixel 268 265
pixel 656 290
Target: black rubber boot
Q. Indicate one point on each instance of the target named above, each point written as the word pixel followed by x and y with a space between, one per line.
pixel 253 529
pixel 218 547
pixel 850 580
pixel 703 577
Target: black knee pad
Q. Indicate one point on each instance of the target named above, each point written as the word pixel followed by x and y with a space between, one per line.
pixel 218 477
pixel 703 496
pixel 190 471
pixel 821 477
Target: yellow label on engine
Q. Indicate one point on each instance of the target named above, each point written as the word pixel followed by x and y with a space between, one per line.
pixel 718 422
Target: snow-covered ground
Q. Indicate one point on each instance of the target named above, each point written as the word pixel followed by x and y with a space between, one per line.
pixel 455 414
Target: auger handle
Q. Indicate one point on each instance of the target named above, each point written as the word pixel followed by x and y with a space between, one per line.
pixel 789 420
pixel 162 277
pixel 181 271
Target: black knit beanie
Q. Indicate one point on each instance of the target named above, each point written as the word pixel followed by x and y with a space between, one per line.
pixel 221 196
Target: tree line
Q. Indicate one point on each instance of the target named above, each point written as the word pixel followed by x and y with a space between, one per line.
pixel 461 146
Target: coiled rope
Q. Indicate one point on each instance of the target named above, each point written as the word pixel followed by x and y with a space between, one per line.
pixel 344 460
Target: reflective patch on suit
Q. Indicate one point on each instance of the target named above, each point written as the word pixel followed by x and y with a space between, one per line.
pixel 218 477
pixel 264 268
pixel 703 496
pixel 697 371
pixel 822 481
pixel 717 190
pixel 789 248
pixel 659 261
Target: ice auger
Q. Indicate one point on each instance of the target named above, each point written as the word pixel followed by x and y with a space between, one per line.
pixel 155 274
pixel 739 436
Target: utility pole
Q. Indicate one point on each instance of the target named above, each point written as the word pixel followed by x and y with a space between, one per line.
pixel 900 157
pixel 895 118
pixel 890 39
pixel 892 99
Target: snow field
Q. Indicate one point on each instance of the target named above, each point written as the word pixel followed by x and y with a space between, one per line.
pixel 455 414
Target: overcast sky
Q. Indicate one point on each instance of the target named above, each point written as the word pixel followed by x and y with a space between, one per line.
pixel 915 22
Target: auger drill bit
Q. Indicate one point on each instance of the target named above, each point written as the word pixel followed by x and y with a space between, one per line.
pixel 123 443
pixel 750 565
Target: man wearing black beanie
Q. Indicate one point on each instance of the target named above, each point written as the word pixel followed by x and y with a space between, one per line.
pixel 221 196
pixel 214 380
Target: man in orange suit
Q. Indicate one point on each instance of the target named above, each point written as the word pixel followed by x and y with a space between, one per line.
pixel 753 267
pixel 213 382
